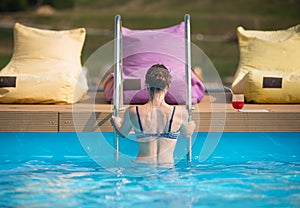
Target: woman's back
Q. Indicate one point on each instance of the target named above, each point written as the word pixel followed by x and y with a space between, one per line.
pixel 160 119
pixel 156 124
pixel 156 129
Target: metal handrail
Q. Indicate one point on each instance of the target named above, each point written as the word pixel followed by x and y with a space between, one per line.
pixel 188 78
pixel 118 89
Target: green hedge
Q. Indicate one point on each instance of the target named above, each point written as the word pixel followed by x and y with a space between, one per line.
pixel 22 5
pixel 60 4
pixel 13 5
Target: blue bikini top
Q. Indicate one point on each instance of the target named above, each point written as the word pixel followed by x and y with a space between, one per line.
pixel 169 134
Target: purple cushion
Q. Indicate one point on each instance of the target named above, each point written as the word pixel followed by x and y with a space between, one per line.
pixel 144 48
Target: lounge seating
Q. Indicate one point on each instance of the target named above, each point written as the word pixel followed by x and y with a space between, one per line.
pixel 45 67
pixel 269 67
pixel 143 48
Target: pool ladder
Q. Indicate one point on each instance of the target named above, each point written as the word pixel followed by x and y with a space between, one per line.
pixel 118 87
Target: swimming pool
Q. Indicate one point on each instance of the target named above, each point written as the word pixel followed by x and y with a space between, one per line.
pixel 54 170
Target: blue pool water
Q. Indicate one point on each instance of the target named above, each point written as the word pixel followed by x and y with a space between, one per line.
pixel 54 170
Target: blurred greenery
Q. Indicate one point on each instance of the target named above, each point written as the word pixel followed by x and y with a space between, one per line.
pixel 12 6
pixel 211 18
pixel 23 5
pixel 60 4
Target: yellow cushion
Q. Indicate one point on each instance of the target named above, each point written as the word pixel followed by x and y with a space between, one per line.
pixel 267 54
pixel 47 66
pixel 264 87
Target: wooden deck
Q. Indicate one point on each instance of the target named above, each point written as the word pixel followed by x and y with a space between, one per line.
pixel 93 114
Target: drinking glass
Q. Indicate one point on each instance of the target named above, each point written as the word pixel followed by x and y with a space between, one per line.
pixel 237 101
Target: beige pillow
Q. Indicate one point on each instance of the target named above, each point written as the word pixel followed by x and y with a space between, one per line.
pixel 268 56
pixel 46 65
pixel 261 86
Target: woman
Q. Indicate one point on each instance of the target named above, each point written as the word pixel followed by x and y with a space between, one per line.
pixel 157 125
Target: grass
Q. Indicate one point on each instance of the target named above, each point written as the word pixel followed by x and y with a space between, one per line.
pixel 209 17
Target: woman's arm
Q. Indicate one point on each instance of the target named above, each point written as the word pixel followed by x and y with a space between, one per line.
pixel 187 127
pixel 122 126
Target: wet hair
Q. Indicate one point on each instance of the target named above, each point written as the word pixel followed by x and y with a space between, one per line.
pixel 158 78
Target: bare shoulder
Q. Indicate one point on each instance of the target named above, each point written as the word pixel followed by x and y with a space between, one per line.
pixel 129 112
pixel 131 109
pixel 183 111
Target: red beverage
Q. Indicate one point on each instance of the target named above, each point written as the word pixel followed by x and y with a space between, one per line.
pixel 237 104
pixel 237 101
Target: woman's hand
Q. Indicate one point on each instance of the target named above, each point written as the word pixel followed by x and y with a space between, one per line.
pixel 116 122
pixel 121 127
pixel 190 128
pixel 187 127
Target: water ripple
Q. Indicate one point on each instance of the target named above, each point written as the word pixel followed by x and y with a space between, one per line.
pixel 46 183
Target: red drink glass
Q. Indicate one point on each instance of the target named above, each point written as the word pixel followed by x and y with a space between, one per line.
pixel 237 101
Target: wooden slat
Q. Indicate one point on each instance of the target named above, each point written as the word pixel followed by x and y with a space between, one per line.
pixel 28 121
pixel 85 122
pixel 34 117
pixel 248 122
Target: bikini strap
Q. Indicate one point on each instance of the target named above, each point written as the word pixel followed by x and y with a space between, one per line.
pixel 171 119
pixel 139 119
